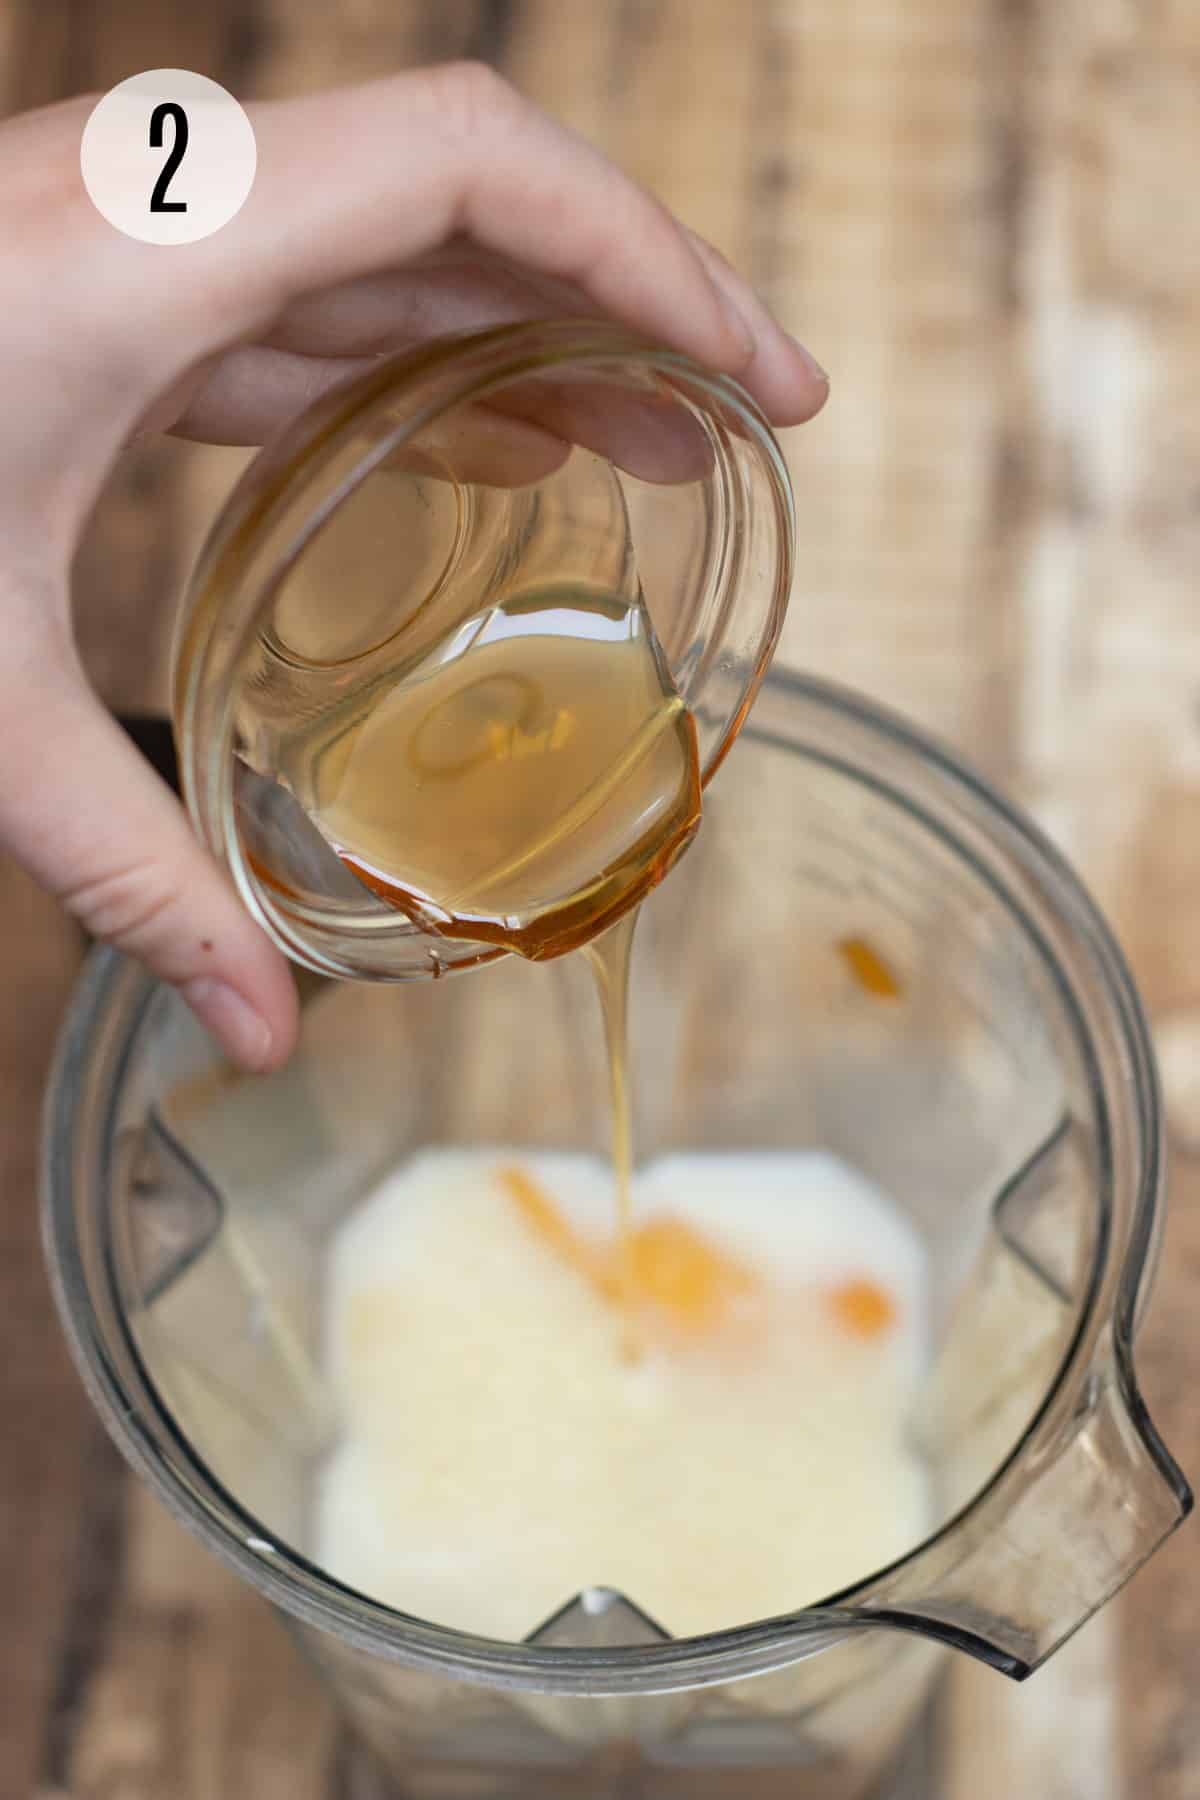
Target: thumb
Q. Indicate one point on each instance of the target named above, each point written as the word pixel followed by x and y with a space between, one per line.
pixel 89 818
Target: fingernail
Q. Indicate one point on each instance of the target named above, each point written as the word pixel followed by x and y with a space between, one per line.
pixel 241 1031
pixel 810 362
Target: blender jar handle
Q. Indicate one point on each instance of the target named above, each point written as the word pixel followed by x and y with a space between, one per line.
pixel 1062 1527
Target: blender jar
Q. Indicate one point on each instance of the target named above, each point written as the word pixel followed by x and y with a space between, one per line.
pixel 871 954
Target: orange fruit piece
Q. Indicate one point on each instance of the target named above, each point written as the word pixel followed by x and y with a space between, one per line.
pixel 864 1308
pixel 869 969
pixel 546 1221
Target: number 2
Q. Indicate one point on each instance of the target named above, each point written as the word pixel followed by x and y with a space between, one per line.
pixel 168 109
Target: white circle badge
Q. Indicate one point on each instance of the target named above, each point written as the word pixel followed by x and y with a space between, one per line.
pixel 168 157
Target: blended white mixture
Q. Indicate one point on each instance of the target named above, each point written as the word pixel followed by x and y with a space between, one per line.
pixel 501 1451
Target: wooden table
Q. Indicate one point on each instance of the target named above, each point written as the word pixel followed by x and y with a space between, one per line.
pixel 981 214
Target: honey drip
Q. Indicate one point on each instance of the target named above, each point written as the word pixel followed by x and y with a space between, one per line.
pixel 525 789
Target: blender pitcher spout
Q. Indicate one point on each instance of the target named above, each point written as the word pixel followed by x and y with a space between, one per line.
pixel 1064 1525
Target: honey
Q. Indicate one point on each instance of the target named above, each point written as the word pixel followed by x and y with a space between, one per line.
pixel 524 788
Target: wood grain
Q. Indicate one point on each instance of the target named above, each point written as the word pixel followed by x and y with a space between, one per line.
pixel 979 215
pixel 45 1420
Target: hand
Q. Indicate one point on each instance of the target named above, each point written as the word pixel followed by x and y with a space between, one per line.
pixel 433 201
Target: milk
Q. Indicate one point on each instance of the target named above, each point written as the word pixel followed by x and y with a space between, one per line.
pixel 500 1450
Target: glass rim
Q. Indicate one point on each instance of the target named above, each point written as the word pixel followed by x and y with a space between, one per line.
pixel 1107 1017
